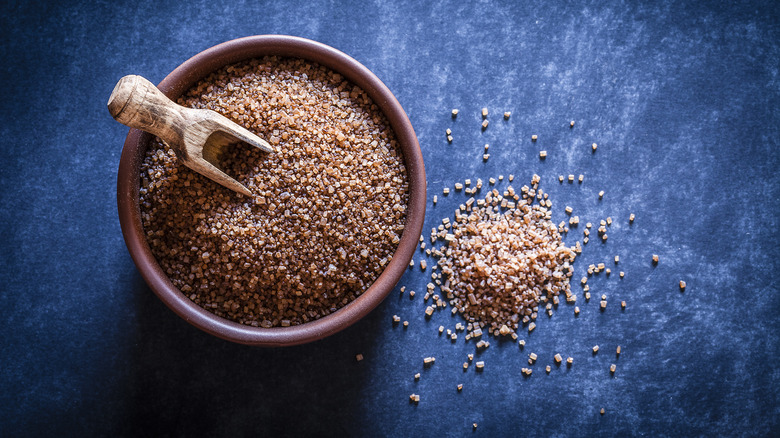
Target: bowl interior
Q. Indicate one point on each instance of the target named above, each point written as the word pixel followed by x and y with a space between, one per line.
pixel 197 68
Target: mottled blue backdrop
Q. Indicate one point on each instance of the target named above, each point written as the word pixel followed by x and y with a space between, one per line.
pixel 683 99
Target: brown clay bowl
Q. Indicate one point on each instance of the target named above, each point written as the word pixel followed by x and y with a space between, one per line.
pixel 197 68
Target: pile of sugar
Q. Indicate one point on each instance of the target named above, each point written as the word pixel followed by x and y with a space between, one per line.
pixel 502 256
pixel 328 208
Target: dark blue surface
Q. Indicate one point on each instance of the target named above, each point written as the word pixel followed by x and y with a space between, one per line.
pixel 683 100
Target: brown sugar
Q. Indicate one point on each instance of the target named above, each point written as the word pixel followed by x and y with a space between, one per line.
pixel 295 251
pixel 500 262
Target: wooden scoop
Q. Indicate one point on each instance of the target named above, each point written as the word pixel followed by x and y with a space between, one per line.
pixel 196 135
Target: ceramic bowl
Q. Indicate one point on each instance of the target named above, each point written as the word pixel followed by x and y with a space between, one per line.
pixel 197 68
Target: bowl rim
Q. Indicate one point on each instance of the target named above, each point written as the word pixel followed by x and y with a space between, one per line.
pixel 197 68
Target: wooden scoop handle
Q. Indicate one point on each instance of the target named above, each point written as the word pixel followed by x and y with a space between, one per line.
pixel 194 134
pixel 137 103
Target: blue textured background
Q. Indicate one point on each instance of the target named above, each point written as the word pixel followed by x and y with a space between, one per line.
pixel 682 98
